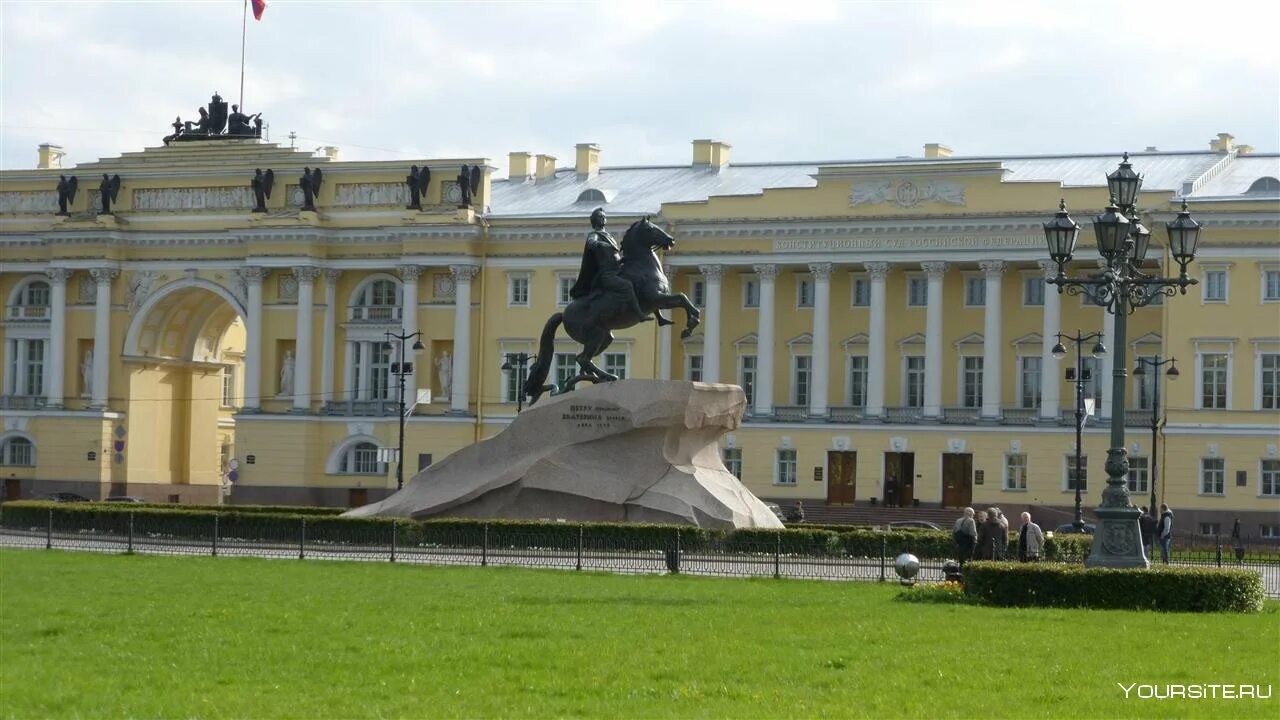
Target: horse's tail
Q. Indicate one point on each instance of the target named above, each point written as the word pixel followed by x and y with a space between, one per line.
pixel 535 384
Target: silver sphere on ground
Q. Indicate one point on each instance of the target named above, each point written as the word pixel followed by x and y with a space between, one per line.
pixel 907 566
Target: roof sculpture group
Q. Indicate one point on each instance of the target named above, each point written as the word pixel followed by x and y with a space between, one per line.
pixel 216 123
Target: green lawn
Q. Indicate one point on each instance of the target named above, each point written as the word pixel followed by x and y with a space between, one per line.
pixel 142 636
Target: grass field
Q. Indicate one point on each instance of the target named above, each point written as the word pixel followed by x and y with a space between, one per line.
pixel 142 636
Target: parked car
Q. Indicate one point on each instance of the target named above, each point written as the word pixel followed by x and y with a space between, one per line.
pixel 124 499
pixel 66 497
pixel 913 525
pixel 1070 528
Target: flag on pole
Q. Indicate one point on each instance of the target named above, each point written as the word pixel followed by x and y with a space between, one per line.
pixel 258 7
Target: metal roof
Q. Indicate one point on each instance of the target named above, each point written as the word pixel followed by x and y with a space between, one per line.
pixel 1238 175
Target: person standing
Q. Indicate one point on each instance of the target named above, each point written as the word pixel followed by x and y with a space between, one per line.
pixel 1147 528
pixel 988 534
pixel 1164 532
pixel 1002 540
pixel 965 535
pixel 1030 540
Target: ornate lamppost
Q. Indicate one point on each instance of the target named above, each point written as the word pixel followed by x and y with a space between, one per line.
pixel 400 369
pixel 1079 374
pixel 1140 370
pixel 1122 242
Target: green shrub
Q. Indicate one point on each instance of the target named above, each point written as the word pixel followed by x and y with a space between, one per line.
pixel 822 543
pixel 943 593
pixel 1165 588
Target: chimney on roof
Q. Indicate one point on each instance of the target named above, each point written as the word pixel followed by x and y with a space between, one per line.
pixel 710 153
pixel 519 165
pixel 1151 148
pixel 49 156
pixel 933 151
pixel 544 166
pixel 588 163
pixel 329 151
pixel 1224 143
pixel 1244 149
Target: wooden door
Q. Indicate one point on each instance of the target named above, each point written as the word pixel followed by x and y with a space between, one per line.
pixel 907 494
pixel 12 489
pixel 841 476
pixel 892 479
pixel 957 479
pixel 357 497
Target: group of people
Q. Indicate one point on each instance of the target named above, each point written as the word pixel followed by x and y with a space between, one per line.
pixel 1157 531
pixel 984 535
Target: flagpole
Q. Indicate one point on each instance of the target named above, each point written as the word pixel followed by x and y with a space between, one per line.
pixel 244 24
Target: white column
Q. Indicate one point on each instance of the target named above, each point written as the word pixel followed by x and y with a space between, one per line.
pixel 102 335
pixel 933 358
pixel 879 272
pixel 992 345
pixel 712 274
pixel 409 325
pixel 253 338
pixel 1050 372
pixel 664 343
pixel 1108 361
pixel 57 336
pixel 366 358
pixel 349 371
pixel 327 340
pixel 764 340
pixel 820 369
pixel 460 392
pixel 302 352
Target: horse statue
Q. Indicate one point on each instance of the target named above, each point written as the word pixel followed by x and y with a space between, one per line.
pixel 589 318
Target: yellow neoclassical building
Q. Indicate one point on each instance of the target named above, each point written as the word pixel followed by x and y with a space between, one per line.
pixel 888 319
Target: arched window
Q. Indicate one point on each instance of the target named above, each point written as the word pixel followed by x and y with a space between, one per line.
pixel 1264 185
pixel 36 293
pixel 593 195
pixel 361 459
pixel 30 301
pixel 377 301
pixel 17 450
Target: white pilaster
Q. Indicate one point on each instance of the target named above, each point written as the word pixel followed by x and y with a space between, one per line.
pixel 327 340
pixel 366 362
pixel 302 353
pixel 821 338
pixel 460 392
pixel 57 336
pixel 409 323
pixel 102 335
pixel 712 274
pixel 934 360
pixel 992 345
pixel 1050 372
pixel 764 340
pixel 253 338
pixel 664 343
pixel 879 272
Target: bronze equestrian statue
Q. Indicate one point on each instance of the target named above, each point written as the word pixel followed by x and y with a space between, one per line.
pixel 601 303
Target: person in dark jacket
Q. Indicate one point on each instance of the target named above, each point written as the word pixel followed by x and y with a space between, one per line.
pixel 988 535
pixel 965 535
pixel 1147 526
pixel 1164 532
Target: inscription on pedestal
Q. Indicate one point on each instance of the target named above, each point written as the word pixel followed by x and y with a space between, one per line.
pixel 591 417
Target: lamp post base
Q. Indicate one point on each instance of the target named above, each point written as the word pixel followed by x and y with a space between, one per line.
pixel 1117 540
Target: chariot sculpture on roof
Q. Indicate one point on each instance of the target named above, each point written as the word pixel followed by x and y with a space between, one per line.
pixel 216 123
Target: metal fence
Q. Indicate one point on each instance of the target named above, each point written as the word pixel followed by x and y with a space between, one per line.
pixel 762 555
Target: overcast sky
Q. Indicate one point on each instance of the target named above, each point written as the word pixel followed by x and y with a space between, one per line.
pixel 782 80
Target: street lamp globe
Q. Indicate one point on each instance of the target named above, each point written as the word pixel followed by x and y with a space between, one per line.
pixel 1099 350
pixel 1184 235
pixel 418 346
pixel 1140 370
pixel 1061 233
pixel 1124 184
pixel 1172 371
pixel 1058 352
pixel 1111 228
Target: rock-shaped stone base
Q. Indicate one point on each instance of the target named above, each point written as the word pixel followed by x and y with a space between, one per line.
pixel 632 450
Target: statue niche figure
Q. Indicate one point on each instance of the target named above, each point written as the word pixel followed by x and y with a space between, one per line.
pixel 468 184
pixel 86 374
pixel 444 370
pixel 286 374
pixel 66 192
pixel 108 190
pixel 310 185
pixel 262 184
pixel 417 180
pixel 600 305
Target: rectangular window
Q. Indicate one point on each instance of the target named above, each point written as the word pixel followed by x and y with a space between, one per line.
pixel 858 380
pixel 861 292
pixel 1270 478
pixel 804 292
pixel 693 368
pixel 1269 531
pixel 518 290
pixel 1210 528
pixel 698 292
pixel 1139 474
pixel 1033 291
pixel 1082 473
pixel 35 368
pixel 733 461
pixel 1215 286
pixel 747 378
pixel 616 364
pixel 971 382
pixel 228 387
pixel 800 367
pixel 564 284
pixel 566 368
pixel 1213 381
pixel 364 459
pixel 914 389
pixel 1015 472
pixel 513 380
pixel 1271 285
pixel 1213 476
pixel 1144 385
pixel 379 379
pixel 1093 380
pixel 19 454
pixel 917 292
pixel 786 470
pixel 750 292
pixel 975 291
pixel 1269 382
pixel 1029 377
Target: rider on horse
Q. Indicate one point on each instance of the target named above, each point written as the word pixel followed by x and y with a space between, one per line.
pixel 601 265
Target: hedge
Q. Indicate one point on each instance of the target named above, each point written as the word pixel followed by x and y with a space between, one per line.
pixel 1165 588
pixel 822 543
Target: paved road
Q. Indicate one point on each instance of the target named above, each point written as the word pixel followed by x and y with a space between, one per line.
pixel 617 561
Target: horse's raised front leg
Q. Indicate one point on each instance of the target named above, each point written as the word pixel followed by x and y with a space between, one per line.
pixel 693 316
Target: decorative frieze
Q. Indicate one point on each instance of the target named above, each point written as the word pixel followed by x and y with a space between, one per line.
pixel 287 288
pixel 905 193
pixel 878 270
pixel 442 286
pixel 197 198
pixel 28 202
pixel 141 285
pixel 942 242
pixel 357 194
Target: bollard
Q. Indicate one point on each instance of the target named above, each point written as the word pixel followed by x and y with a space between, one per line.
pixel 48 532
pixel 579 565
pixel 484 546
pixel 302 540
pixel 130 549
pixel 884 547
pixel 777 555
pixel 215 534
pixel 393 541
